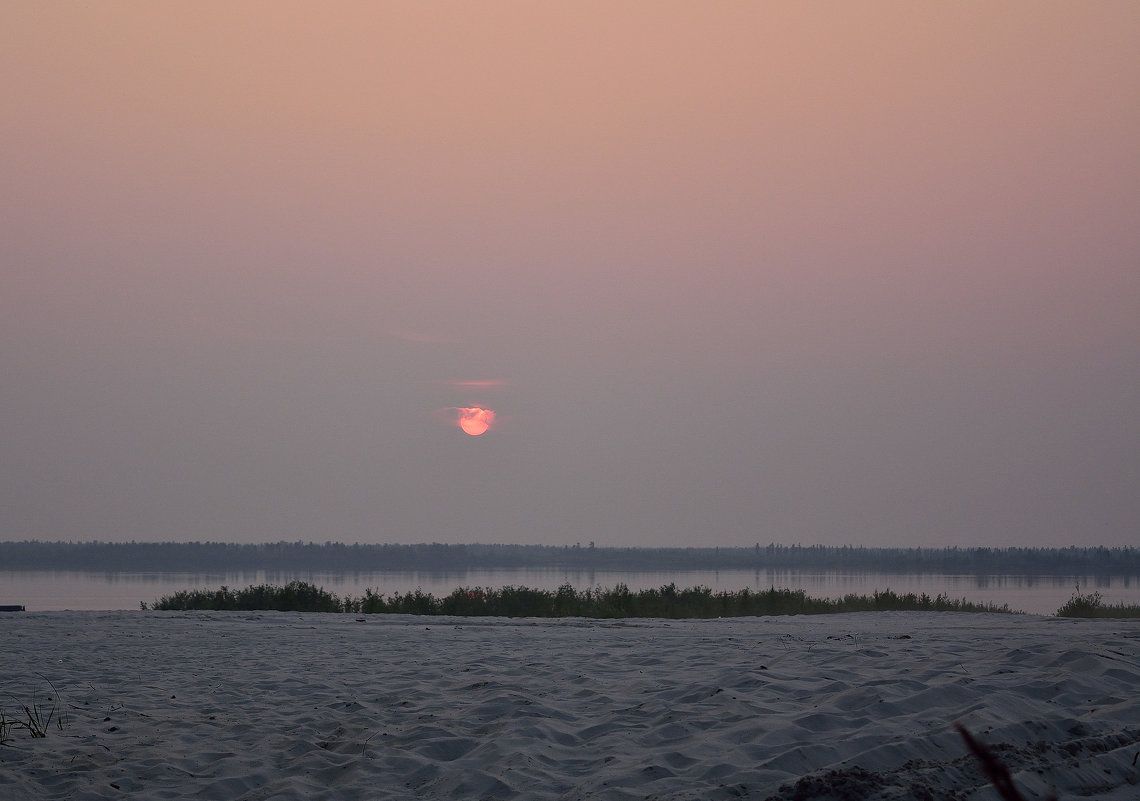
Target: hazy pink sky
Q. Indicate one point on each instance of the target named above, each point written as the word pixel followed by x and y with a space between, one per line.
pixel 727 273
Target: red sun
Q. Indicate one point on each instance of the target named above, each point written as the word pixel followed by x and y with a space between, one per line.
pixel 475 421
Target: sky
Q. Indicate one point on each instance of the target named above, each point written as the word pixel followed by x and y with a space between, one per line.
pixel 633 273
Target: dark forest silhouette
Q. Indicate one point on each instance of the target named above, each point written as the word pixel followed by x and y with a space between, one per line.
pixel 330 556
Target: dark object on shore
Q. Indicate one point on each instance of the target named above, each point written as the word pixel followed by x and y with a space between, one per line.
pixel 12 608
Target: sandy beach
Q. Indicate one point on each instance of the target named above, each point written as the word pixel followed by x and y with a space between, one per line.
pixel 310 706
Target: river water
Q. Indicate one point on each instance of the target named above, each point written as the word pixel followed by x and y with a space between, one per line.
pixel 71 590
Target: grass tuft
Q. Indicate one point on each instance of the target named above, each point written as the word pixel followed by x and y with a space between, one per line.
pixel 35 719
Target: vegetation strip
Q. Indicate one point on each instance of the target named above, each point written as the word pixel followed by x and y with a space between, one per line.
pixel 619 602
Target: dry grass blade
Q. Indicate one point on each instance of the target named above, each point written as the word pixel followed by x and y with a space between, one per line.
pixel 5 729
pixel 995 771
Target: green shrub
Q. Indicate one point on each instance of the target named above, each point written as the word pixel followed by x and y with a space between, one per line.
pixel 1092 605
pixel 296 596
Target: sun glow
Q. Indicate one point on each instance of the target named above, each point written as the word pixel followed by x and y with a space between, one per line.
pixel 475 421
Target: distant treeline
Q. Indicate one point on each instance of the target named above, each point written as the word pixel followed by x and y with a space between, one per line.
pixel 206 557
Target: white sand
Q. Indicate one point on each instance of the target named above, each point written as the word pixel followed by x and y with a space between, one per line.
pixel 272 705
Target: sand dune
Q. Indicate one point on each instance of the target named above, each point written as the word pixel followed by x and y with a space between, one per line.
pixel 275 705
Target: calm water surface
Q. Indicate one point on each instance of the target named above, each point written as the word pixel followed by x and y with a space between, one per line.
pixel 63 590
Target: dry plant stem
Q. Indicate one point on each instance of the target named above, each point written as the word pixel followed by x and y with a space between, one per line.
pixel 995 771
